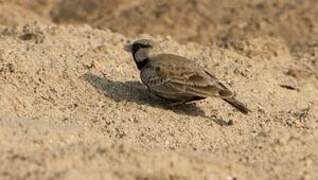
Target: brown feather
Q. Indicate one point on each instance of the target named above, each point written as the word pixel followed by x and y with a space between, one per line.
pixel 179 79
pixel 238 105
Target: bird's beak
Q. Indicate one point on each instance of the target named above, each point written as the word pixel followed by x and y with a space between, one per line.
pixel 128 47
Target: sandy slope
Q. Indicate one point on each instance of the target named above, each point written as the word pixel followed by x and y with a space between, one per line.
pixel 72 107
pixel 204 21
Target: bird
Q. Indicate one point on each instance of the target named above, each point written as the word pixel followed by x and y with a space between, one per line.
pixel 177 79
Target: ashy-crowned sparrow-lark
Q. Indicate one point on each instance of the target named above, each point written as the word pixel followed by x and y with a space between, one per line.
pixel 176 78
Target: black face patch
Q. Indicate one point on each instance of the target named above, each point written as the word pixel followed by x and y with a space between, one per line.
pixel 137 46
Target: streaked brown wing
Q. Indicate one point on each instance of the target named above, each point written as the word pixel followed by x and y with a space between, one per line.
pixel 186 76
pixel 162 88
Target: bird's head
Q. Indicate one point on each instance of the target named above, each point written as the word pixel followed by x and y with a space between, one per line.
pixel 141 44
pixel 140 49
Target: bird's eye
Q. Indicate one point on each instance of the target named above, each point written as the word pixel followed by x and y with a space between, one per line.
pixel 145 45
pixel 138 46
pixel 135 47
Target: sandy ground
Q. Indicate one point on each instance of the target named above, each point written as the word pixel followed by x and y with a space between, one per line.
pixel 72 106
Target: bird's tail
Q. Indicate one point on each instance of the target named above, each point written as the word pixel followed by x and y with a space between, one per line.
pixel 237 104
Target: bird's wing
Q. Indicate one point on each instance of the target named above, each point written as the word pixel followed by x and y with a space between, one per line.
pixel 183 75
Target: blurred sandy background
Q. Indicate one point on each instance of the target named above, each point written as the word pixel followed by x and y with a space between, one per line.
pixel 72 106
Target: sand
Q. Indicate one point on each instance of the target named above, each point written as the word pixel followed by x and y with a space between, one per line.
pixel 73 107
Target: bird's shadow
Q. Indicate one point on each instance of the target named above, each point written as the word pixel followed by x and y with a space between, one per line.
pixel 134 91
